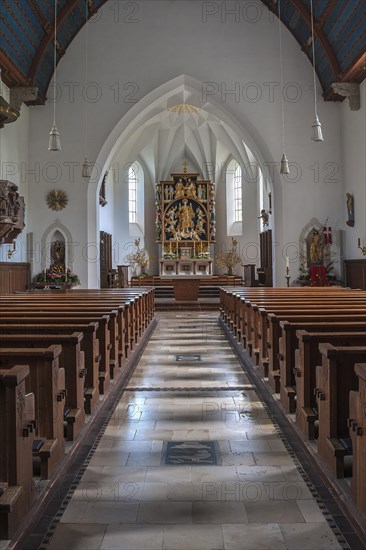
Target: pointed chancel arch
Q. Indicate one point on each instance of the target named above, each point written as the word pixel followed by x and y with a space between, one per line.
pixel 160 138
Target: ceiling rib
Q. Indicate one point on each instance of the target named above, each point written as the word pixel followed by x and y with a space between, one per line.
pixel 321 36
pixel 61 16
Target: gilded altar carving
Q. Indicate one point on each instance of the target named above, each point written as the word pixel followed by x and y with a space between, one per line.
pixel 185 210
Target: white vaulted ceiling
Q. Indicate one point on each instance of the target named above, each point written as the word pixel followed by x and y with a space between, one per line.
pixel 164 138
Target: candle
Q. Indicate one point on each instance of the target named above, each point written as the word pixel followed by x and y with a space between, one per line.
pixel 287 262
pixel 170 247
pixel 14 244
pixel 201 247
pixel 359 242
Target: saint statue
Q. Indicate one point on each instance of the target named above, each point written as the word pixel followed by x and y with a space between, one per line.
pixel 58 253
pixel 316 249
pixel 350 210
pixel 179 189
pixel 190 189
pixel 186 215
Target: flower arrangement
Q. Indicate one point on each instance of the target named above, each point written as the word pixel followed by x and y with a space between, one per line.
pixel 305 277
pixel 57 275
pixel 169 256
pixel 138 259
pixel 202 255
pixel 229 259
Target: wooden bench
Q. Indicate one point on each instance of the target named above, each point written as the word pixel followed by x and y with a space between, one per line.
pixel 307 358
pixel 281 363
pixel 357 430
pixel 17 431
pixel 89 346
pixel 103 335
pixel 335 378
pixel 72 360
pixel 47 383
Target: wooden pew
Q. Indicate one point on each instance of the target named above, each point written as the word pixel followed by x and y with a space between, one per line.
pixel 72 360
pixel 109 339
pixel 103 334
pixel 335 378
pixel 357 430
pixel 89 346
pixel 307 358
pixel 17 430
pixel 281 363
pixel 47 383
pixel 138 309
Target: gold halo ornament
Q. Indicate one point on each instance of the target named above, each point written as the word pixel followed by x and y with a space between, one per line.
pixel 57 199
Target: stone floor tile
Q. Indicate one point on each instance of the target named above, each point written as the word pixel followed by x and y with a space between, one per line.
pixel 73 536
pixel 273 511
pixel 165 512
pixel 193 537
pixel 309 535
pixel 260 536
pixel 133 537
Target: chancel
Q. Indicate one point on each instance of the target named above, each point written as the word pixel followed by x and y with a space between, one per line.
pixel 183 282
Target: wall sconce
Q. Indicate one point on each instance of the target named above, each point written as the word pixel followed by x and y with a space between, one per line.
pixel 12 251
pixel 362 248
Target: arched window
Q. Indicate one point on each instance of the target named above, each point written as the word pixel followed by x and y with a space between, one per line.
pixel 132 194
pixel 234 199
pixel 136 198
pixel 237 198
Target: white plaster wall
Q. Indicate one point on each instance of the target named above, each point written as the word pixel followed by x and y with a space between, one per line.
pixel 354 163
pixel 167 39
pixel 14 148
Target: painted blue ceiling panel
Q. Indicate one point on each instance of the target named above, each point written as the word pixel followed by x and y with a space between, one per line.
pixel 26 33
pixel 12 47
pixel 27 38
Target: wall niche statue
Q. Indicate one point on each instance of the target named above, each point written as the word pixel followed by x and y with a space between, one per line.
pixel 58 252
pixel 350 210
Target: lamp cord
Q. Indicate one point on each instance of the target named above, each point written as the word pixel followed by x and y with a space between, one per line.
pixel 281 73
pixel 86 77
pixel 54 67
pixel 313 48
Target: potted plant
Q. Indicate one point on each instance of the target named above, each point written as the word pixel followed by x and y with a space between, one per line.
pixel 138 259
pixel 228 260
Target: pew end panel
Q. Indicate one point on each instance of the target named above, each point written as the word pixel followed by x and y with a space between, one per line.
pixel 335 378
pixel 17 432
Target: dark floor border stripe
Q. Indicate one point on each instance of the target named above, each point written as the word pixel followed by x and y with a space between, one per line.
pixel 43 521
pixel 337 519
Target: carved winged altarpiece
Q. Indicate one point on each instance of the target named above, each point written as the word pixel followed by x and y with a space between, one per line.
pixel 185 218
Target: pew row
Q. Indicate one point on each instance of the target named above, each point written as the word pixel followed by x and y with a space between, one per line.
pixel 335 379
pixel 47 382
pixel 17 432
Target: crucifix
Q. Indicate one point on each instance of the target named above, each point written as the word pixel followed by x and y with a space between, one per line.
pixel 185 167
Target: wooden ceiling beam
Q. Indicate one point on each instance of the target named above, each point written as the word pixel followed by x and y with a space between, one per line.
pixel 11 75
pixel 357 71
pixel 38 13
pixel 321 37
pixel 47 40
pixel 324 16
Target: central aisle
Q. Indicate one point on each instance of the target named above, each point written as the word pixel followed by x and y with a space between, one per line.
pixel 189 387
